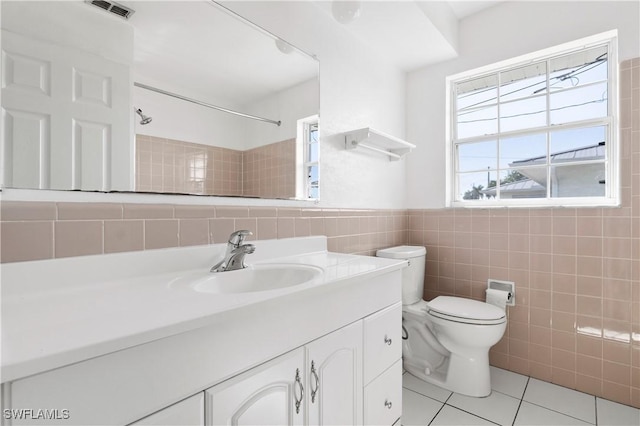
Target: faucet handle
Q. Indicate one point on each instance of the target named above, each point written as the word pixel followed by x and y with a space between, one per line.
pixel 238 237
pixel 245 248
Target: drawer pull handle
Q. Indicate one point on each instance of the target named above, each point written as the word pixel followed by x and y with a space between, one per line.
pixel 317 381
pixel 388 404
pixel 299 383
pixel 387 340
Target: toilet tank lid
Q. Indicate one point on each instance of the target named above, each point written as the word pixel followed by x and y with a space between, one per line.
pixel 402 252
pixel 465 308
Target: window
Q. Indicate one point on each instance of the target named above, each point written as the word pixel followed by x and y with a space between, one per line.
pixel 536 130
pixel 308 175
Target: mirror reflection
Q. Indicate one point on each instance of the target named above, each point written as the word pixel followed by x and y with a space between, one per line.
pixel 179 97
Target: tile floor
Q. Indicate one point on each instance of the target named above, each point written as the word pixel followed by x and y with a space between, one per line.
pixel 515 400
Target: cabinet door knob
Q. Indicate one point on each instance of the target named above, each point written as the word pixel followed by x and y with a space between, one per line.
pixel 388 404
pixel 387 340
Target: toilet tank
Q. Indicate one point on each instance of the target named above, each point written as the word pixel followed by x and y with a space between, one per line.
pixel 413 275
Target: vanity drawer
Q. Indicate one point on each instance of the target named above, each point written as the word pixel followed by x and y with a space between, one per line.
pixel 383 397
pixel 382 341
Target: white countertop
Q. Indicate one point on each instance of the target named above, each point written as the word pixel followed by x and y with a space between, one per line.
pixel 58 312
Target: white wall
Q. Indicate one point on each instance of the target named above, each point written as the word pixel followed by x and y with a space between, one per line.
pixel 504 31
pixel 357 89
pixel 188 122
pixel 185 121
pixel 288 106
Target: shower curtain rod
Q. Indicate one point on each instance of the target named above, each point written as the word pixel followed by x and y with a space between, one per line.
pixel 184 98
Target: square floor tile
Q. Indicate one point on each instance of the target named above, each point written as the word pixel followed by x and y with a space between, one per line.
pixel 418 409
pixel 508 382
pixel 451 416
pixel 530 415
pixel 497 407
pixel 563 400
pixel 427 389
pixel 612 413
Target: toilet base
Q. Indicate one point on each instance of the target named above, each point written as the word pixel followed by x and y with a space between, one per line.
pixel 454 374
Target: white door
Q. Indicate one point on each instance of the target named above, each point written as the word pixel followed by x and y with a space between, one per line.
pixel 66 116
pixel 270 394
pixel 334 372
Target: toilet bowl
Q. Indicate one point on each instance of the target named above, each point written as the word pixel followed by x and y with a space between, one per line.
pixel 446 341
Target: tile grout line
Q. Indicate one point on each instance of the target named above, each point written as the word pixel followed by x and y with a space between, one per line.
pixel 559 412
pixel 439 410
pixel 521 399
pixel 470 413
pixel 564 414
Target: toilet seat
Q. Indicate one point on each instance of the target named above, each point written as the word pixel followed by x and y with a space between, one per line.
pixel 465 311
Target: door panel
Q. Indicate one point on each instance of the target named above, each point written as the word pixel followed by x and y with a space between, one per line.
pixel 264 395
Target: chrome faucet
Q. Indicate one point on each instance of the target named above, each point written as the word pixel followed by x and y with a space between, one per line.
pixel 236 251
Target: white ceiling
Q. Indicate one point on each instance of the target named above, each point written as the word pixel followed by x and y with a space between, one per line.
pixel 209 54
pixel 411 33
pixel 173 36
pixel 462 9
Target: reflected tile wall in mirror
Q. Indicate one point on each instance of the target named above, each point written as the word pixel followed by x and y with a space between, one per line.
pixel 172 166
pixel 269 171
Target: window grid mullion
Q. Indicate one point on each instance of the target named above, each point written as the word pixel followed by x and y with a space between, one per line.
pixel 594 122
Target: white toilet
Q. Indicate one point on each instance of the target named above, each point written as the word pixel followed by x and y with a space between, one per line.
pixel 446 341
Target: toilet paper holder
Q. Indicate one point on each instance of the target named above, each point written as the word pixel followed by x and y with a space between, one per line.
pixel 508 286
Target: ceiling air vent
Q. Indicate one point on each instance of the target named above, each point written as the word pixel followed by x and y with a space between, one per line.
pixel 112 7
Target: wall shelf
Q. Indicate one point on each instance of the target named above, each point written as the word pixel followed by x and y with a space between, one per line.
pixel 377 141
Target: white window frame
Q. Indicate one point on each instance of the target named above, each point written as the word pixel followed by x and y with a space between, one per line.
pixel 612 190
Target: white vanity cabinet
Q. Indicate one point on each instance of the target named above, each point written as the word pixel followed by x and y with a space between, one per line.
pixel 318 384
pixel 383 366
pixel 196 358
pixel 188 412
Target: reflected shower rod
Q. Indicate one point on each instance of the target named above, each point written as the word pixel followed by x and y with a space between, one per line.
pixel 195 101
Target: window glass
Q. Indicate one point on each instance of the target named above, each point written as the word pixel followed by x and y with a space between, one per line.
pixel 476 109
pixel 478 122
pixel 477 92
pixel 523 82
pixel 311 166
pixel 526 150
pixel 312 175
pixel 472 186
pixel 523 114
pixel 578 144
pixel 313 143
pixel 477 156
pixel 578 180
pixel 523 183
pixel 579 68
pixel 584 103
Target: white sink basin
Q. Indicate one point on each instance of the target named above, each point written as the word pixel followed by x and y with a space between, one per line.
pixel 251 279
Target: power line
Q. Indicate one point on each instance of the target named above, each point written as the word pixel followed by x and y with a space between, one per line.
pixel 532 113
pixel 597 62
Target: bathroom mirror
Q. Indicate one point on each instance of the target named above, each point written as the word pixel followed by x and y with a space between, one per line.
pixel 178 97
